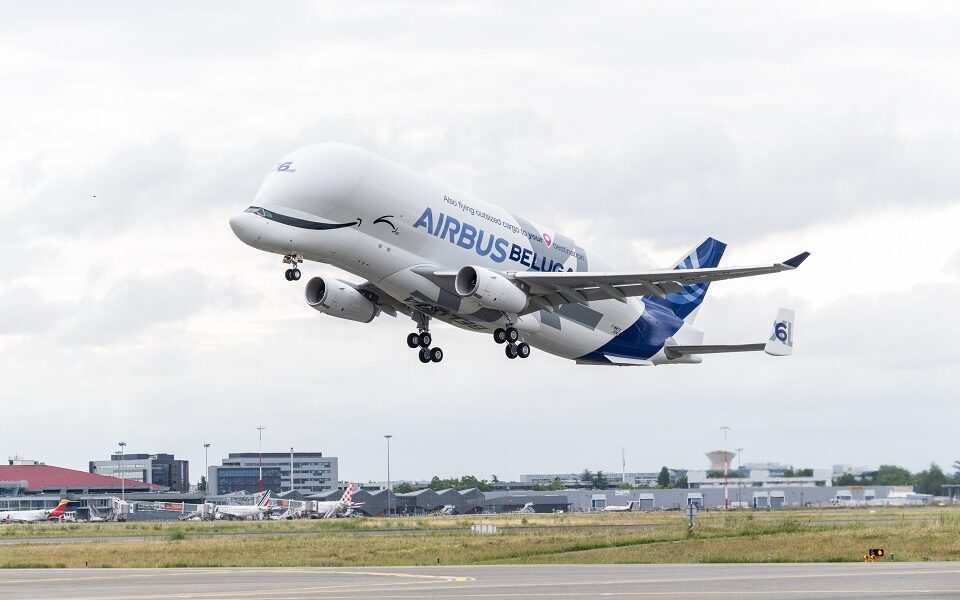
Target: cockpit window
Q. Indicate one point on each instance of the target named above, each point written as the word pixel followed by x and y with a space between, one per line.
pixel 295 222
pixel 260 211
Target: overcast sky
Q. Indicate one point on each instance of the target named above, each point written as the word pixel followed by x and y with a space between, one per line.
pixel 131 132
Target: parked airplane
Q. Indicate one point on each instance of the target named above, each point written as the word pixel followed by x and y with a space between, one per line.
pixel 429 251
pixel 525 509
pixel 331 508
pixel 620 507
pixel 32 516
pixel 245 511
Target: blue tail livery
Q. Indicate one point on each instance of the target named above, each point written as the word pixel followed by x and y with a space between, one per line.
pixel 683 304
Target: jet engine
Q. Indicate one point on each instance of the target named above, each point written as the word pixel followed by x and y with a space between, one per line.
pixel 490 289
pixel 338 299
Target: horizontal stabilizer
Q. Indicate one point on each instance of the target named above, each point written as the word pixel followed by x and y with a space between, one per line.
pixel 678 351
pixel 779 344
pixel 617 361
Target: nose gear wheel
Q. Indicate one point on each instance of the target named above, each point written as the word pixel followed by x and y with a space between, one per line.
pixel 293 274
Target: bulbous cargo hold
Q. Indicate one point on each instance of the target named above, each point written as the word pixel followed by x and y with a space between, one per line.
pixel 338 299
pixel 490 289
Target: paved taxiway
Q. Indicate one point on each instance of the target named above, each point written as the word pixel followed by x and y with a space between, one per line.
pixel 802 581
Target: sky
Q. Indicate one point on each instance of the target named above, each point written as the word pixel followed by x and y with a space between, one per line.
pixel 131 132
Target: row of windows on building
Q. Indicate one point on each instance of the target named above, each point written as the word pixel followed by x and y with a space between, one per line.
pixel 311 471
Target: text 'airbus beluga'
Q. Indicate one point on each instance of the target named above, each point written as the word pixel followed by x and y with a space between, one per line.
pixel 429 251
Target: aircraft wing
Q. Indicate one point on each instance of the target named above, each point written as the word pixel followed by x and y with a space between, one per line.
pixel 549 289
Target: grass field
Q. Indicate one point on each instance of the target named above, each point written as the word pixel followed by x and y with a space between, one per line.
pixel 910 534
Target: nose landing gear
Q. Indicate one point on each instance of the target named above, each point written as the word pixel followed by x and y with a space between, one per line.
pixel 294 273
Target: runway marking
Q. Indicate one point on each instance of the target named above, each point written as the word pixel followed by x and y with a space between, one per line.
pixel 739 578
pixel 412 579
pixel 100 577
pixel 220 571
pixel 445 578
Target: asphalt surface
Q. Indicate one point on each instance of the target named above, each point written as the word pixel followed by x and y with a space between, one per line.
pixel 793 581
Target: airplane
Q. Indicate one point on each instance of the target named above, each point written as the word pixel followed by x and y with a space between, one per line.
pixel 33 516
pixel 245 511
pixel 427 251
pixel 328 509
pixel 621 507
pixel 525 509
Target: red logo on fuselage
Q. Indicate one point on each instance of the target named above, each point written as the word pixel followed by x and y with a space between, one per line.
pixel 547 240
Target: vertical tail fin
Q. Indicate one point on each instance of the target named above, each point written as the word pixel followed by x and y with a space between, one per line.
pixel 265 499
pixel 781 340
pixel 685 304
pixel 59 510
pixel 347 497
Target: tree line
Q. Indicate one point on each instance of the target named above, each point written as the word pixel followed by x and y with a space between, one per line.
pixel 928 481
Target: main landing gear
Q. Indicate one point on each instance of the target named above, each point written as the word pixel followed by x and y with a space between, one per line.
pixel 510 335
pixel 294 273
pixel 422 340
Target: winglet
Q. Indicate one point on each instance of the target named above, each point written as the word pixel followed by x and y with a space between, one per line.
pixel 794 262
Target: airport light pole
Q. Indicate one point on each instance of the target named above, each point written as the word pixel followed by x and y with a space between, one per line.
pixel 389 484
pixel 123 479
pixel 206 469
pixel 740 476
pixel 260 450
pixel 726 468
pixel 291 468
pixel 623 465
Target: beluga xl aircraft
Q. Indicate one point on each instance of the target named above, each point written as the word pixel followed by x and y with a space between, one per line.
pixel 429 251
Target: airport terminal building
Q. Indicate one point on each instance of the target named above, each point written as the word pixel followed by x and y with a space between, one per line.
pixel 159 469
pixel 304 472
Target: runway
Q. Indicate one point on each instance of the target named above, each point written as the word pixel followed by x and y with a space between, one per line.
pixel 794 581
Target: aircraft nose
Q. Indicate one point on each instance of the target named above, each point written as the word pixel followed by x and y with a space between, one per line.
pixel 236 224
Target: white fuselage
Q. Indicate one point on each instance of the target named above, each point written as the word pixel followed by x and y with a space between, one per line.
pixel 395 227
pixel 329 508
pixel 24 516
pixel 619 508
pixel 241 512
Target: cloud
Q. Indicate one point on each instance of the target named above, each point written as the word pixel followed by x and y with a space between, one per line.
pixel 677 176
pixel 24 311
pixel 127 309
pixel 137 304
pixel 954 263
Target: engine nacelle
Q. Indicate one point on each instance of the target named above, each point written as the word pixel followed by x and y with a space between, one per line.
pixel 337 299
pixel 490 289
